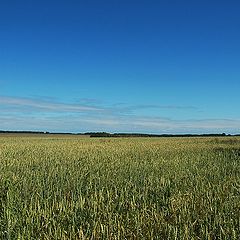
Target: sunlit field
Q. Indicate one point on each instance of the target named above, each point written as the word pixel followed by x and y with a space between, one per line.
pixel 68 187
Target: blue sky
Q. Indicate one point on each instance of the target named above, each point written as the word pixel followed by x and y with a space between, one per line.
pixel 120 66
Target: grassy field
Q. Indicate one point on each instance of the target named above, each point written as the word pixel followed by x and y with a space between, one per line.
pixel 66 187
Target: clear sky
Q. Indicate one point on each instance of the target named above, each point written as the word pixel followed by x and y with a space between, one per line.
pixel 120 66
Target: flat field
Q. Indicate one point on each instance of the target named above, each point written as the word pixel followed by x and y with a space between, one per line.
pixel 67 187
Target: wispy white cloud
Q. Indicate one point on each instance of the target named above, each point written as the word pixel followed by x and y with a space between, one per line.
pixel 49 115
pixel 47 104
pixel 36 104
pixel 132 108
pixel 168 125
pixel 74 123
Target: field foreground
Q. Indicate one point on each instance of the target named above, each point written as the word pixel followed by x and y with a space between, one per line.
pixel 140 188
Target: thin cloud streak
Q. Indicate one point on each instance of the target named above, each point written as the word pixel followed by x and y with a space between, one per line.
pixel 45 105
pixel 175 107
pixel 128 109
pixel 35 104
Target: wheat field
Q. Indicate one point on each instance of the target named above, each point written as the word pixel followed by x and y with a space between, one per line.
pixel 67 187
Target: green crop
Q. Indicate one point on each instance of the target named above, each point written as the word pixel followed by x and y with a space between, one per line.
pixel 122 188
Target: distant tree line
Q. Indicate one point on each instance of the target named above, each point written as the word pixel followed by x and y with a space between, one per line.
pixel 28 132
pixel 106 134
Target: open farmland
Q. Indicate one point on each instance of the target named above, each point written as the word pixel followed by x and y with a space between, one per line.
pixel 67 187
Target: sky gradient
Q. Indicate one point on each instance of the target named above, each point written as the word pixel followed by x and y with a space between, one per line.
pixel 120 66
